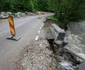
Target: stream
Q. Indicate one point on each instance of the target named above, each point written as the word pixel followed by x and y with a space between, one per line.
pixel 78 28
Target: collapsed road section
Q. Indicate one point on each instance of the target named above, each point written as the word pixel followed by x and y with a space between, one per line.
pixel 67 47
pixel 61 51
pixel 37 56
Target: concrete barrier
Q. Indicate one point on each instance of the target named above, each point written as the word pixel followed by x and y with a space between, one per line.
pixel 58 34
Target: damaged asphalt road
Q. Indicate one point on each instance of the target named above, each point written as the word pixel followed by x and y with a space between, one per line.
pixel 39 55
pixel 27 28
pixel 43 55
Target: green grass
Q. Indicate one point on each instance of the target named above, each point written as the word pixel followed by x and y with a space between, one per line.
pixel 52 18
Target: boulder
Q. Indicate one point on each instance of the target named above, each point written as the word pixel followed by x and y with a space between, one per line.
pixel 3 15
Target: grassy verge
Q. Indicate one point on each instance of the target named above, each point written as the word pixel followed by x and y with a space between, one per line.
pixel 52 18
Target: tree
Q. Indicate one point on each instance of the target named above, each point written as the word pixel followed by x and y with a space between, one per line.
pixel 67 11
pixel 43 5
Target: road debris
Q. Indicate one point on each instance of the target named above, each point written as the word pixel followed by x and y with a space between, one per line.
pixel 37 56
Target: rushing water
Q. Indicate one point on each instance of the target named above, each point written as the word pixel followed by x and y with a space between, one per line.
pixel 78 28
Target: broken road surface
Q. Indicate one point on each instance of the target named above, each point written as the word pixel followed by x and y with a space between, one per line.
pixel 27 28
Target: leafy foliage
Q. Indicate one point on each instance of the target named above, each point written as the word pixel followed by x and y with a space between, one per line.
pixel 43 5
pixel 65 10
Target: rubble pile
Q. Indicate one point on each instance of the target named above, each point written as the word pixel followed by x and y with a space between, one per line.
pixel 37 57
pixel 4 15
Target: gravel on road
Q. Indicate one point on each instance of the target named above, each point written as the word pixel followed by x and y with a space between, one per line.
pixel 37 56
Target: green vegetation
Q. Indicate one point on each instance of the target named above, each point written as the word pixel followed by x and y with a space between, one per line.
pixel 69 10
pixel 65 10
pixel 52 18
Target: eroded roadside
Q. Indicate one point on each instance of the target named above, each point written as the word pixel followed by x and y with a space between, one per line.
pixel 37 56
pixel 46 55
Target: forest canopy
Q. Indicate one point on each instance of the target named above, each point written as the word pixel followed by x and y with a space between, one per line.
pixel 65 10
